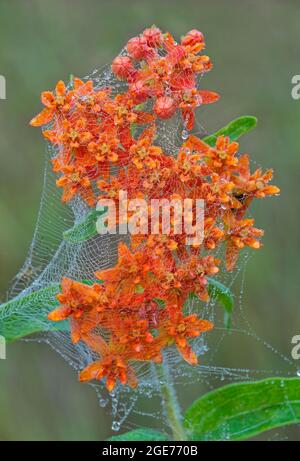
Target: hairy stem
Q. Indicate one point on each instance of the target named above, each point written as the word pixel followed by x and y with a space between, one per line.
pixel 170 403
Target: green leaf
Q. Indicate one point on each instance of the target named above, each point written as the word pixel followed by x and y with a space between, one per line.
pixel 85 229
pixel 140 434
pixel 220 293
pixel 160 302
pixel 224 296
pixel 27 314
pixel 91 282
pixel 139 288
pixel 239 411
pixel 234 129
pixel 134 126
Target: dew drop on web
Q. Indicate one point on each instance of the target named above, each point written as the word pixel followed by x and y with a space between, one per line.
pixel 184 134
pixel 115 426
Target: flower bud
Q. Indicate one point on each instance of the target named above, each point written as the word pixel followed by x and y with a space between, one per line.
pixel 153 36
pixel 165 107
pixel 139 91
pixel 122 67
pixel 193 37
pixel 138 48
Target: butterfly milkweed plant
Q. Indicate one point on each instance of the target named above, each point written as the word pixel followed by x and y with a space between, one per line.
pixel 152 215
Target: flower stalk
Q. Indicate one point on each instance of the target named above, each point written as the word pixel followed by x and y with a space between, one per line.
pixel 170 403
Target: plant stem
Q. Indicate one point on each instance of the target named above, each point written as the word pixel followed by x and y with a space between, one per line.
pixel 170 403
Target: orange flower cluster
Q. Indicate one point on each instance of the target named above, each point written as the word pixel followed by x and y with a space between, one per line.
pixel 138 308
pixel 92 128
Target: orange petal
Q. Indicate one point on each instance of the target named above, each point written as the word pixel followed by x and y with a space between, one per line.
pixel 106 275
pixel 60 88
pixel 131 378
pixel 123 250
pixel 88 196
pixel 208 97
pixel 77 83
pixel 188 118
pixel 44 117
pixel 92 371
pixel 110 383
pixel 204 325
pixel 66 283
pixel 68 192
pixel 48 98
pixel 50 135
pixel 125 136
pixel 61 313
pixel 271 190
pixel 195 144
pixel 96 343
pixel 75 330
pixel 188 354
pixel 144 117
pixel 169 41
pixel 232 254
pixel 90 320
pixel 149 132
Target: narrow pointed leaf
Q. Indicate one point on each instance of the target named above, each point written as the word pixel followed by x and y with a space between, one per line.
pixel 224 296
pixel 219 292
pixel 234 129
pixel 27 314
pixel 243 410
pixel 85 229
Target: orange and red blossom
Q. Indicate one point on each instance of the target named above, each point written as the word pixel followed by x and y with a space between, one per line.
pixel 135 327
pixel 143 152
pixel 155 68
pixel 139 49
pixel 77 300
pixel 139 309
pixel 57 102
pixel 179 329
pixel 76 181
pixel 240 233
pixel 132 270
pixel 113 368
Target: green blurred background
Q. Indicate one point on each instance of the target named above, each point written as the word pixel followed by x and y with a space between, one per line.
pixel 255 48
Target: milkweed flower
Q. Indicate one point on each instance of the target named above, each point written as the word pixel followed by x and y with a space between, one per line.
pixel 136 309
pixel 57 102
pixel 77 301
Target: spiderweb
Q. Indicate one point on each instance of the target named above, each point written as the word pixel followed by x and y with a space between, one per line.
pixel 51 257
